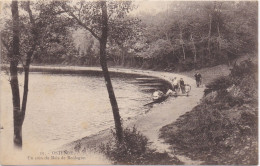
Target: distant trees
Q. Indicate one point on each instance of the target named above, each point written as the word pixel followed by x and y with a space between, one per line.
pixel 202 33
pixel 56 44
pixel 88 49
pixel 196 34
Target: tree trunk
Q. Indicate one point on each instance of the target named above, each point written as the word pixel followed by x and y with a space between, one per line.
pixel 182 44
pixel 209 35
pixel 132 59
pixel 183 51
pixel 194 47
pixel 103 62
pixel 124 53
pixel 168 39
pixel 17 114
pixel 26 83
pixel 219 38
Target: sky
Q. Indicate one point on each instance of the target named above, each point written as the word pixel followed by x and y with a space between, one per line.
pixel 149 6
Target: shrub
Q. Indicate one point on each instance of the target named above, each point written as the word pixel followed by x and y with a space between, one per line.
pixel 246 67
pixel 222 129
pixel 221 83
pixel 134 149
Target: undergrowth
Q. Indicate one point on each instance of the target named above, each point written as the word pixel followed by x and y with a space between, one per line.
pixel 223 128
pixel 134 149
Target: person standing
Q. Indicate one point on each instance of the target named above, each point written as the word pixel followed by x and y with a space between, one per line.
pixel 175 84
pixel 182 86
pixel 198 78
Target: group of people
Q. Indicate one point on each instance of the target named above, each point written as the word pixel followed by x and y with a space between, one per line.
pixel 178 84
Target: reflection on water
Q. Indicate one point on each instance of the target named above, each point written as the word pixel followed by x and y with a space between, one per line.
pixel 63 108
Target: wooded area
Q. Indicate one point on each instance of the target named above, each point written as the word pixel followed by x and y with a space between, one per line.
pixel 184 36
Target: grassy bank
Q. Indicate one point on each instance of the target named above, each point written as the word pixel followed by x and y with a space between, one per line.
pixel 222 129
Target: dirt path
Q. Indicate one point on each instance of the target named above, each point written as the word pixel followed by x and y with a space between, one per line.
pixel 166 113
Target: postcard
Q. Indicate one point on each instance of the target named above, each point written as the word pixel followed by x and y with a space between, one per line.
pixel 129 82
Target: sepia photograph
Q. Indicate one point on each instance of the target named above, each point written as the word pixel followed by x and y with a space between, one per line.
pixel 119 82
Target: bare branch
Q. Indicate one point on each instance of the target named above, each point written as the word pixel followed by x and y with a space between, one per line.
pixel 33 30
pixel 30 13
pixel 59 12
pixel 81 5
pixel 81 23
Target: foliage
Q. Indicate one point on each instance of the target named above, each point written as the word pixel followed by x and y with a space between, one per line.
pixel 134 149
pixel 223 128
pixel 50 34
pixel 187 35
pixel 221 83
pixel 245 68
pixel 86 19
pixel 200 34
pixel 87 15
pixel 242 75
pixel 184 36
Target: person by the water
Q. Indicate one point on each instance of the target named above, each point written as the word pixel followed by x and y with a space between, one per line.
pixel 182 85
pixel 157 95
pixel 175 84
pixel 198 78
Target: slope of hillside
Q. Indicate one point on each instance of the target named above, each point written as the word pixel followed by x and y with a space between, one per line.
pixel 223 128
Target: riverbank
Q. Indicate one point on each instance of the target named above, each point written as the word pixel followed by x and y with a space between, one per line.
pixel 149 124
pixel 160 115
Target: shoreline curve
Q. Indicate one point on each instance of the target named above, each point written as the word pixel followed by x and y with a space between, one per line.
pixel 148 124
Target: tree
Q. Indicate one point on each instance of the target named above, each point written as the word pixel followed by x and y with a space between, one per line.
pixel 18 114
pixel 56 44
pixel 103 62
pixel 124 33
pixel 99 18
pixel 203 33
pixel 22 36
pixel 25 32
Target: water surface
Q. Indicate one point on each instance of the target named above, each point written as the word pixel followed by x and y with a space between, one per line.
pixel 64 107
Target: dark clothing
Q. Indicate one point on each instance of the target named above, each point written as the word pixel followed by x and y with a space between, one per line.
pixel 198 79
pixel 197 76
pixel 182 85
pixel 175 87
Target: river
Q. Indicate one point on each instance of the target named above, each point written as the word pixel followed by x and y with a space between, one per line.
pixel 65 107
